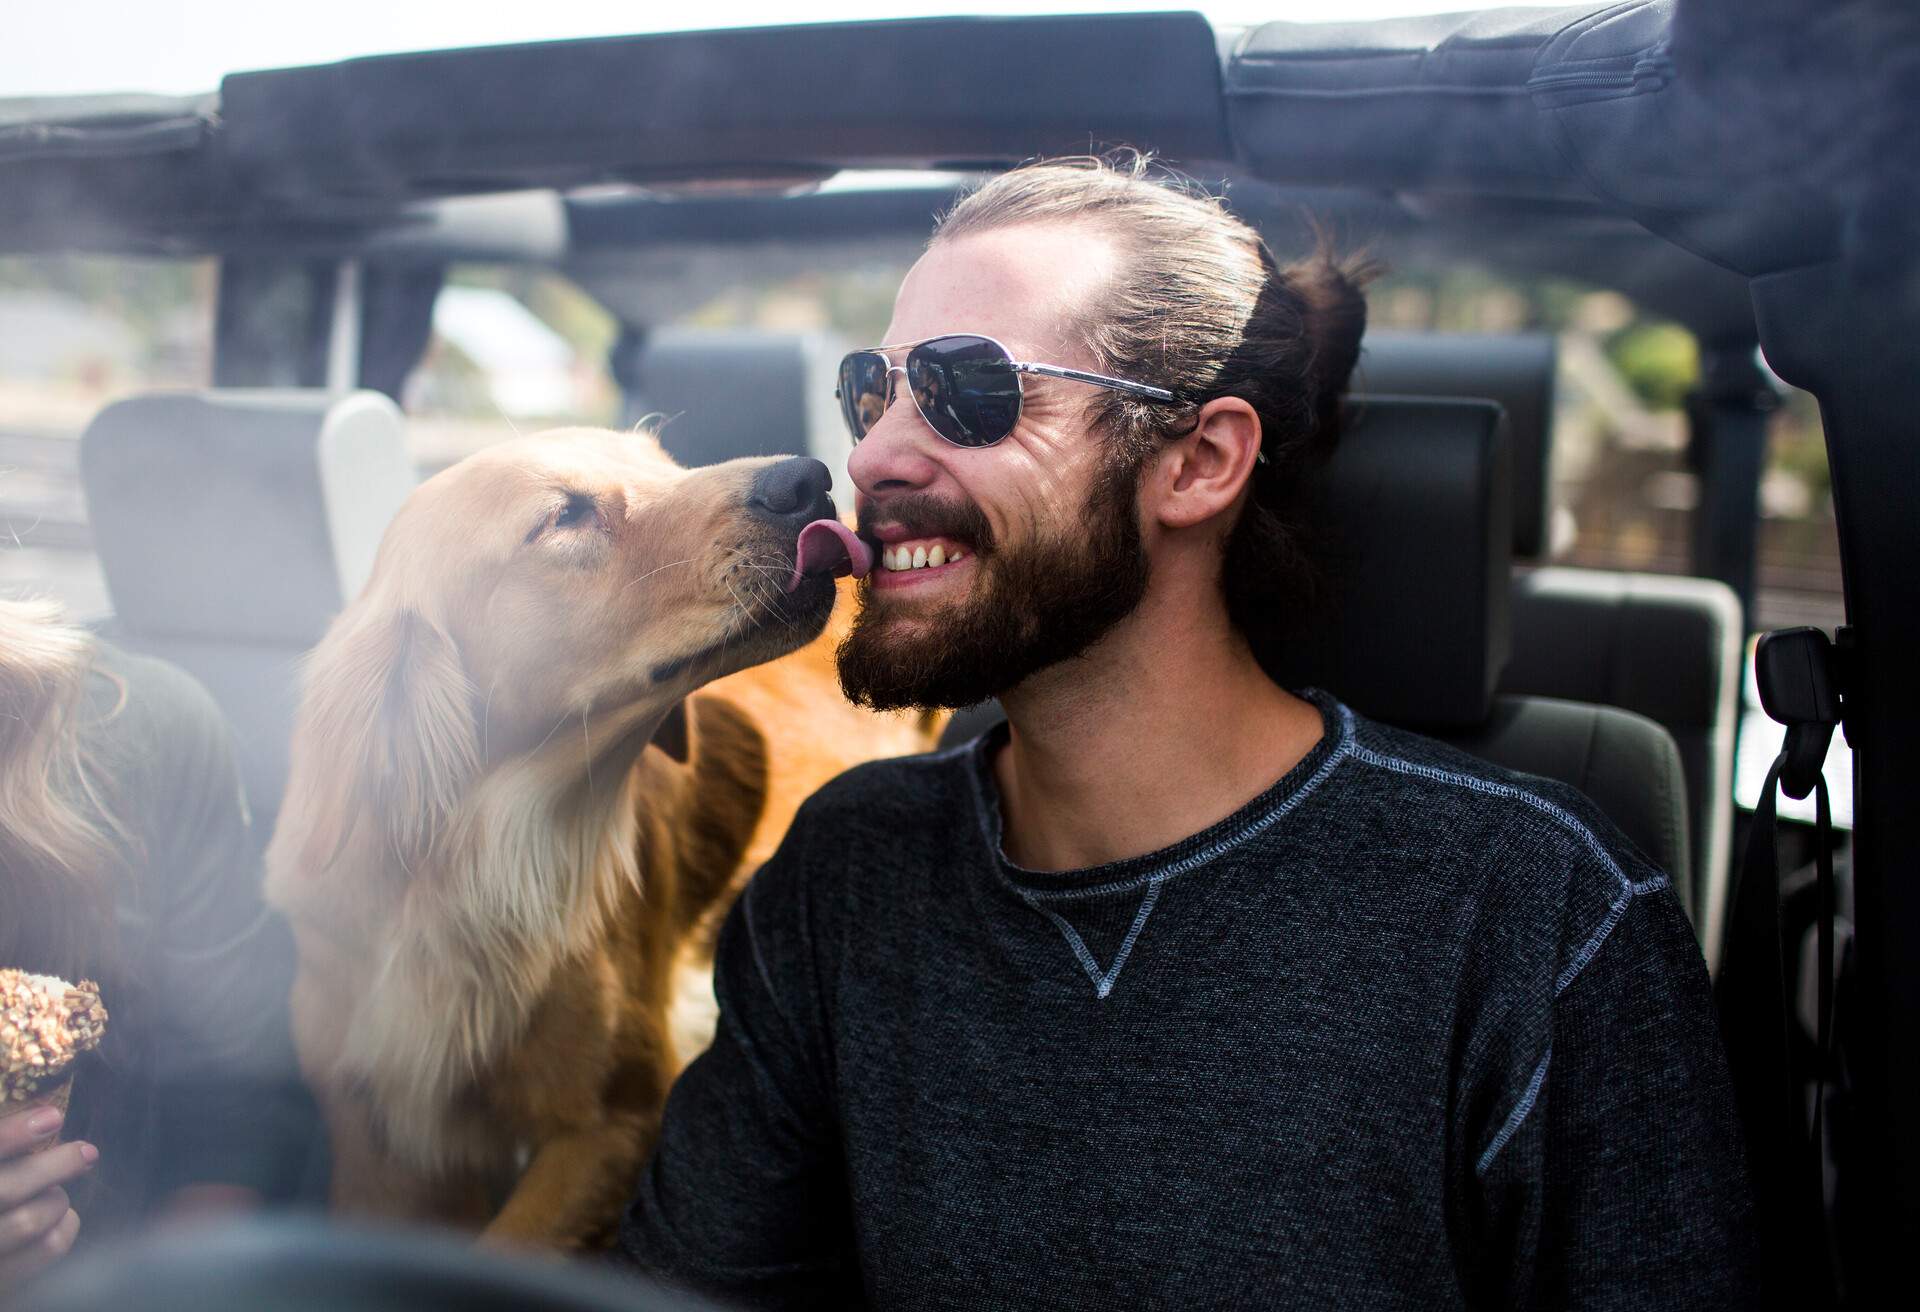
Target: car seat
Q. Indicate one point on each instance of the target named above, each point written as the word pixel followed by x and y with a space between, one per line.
pixel 1513 370
pixel 720 394
pixel 1666 647
pixel 1663 646
pixel 231 527
pixel 1416 630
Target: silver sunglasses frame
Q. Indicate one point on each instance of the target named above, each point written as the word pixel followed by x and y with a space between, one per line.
pixel 1018 366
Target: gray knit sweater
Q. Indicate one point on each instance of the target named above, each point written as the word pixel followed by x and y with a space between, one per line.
pixel 1405 1031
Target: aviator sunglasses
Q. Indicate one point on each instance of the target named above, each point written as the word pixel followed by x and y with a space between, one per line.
pixel 966 386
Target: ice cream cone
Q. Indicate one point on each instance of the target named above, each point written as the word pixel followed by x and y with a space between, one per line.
pixel 56 1098
pixel 45 1023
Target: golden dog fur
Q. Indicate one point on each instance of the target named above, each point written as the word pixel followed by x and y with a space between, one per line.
pixel 502 889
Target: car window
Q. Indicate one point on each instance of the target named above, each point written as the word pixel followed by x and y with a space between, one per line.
pixel 511 350
pixel 80 331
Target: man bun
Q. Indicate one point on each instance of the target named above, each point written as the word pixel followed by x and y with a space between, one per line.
pixel 1334 314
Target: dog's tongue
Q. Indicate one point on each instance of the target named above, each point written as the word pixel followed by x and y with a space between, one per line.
pixel 827 546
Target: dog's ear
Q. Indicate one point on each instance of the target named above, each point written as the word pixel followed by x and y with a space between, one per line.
pixel 673 736
pixel 386 743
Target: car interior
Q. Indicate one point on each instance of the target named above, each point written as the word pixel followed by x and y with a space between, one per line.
pixel 1635 146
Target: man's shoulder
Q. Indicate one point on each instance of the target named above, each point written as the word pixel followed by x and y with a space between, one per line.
pixel 869 840
pixel 881 792
pixel 1543 878
pixel 887 816
pixel 1526 815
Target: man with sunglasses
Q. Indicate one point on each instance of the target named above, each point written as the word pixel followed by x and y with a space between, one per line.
pixel 1180 988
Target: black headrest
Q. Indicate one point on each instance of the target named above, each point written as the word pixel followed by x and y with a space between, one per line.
pixel 1514 369
pixel 1417 543
pixel 727 393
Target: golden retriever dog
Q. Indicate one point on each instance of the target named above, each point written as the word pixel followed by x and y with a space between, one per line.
pixel 509 830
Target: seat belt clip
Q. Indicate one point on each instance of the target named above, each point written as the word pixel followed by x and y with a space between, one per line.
pixel 1801 675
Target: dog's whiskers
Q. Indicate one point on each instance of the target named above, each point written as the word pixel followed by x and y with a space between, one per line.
pixel 765 568
pixel 642 578
pixel 550 733
pixel 669 565
pixel 486 719
pixel 511 426
pixel 586 740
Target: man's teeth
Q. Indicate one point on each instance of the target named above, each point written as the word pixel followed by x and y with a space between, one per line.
pixel 919 557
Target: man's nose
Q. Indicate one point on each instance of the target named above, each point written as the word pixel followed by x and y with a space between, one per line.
pixel 893 454
pixel 792 493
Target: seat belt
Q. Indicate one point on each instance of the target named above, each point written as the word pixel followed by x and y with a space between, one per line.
pixel 1799 673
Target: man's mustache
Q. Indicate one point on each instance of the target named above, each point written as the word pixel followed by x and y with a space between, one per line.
pixel 926 515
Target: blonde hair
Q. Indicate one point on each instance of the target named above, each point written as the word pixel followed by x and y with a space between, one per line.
pixel 57 834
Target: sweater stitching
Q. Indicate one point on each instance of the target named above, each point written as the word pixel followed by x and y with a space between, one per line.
pixel 1517 1115
pixel 1587 952
pixel 1102 981
pixel 1194 861
pixel 1585 835
pixel 1081 952
pixel 1591 947
pixel 1629 889
pixel 1151 880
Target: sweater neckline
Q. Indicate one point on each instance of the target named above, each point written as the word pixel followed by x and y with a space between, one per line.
pixel 1130 873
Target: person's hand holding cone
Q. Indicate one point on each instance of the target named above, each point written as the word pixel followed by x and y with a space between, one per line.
pixel 45 1023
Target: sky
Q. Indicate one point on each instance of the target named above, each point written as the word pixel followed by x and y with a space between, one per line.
pixel 185 47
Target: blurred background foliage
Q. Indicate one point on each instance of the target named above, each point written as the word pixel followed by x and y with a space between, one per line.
pixel 1659 361
pixel 77 330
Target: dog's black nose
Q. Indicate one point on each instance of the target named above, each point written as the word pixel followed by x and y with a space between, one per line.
pixel 793 490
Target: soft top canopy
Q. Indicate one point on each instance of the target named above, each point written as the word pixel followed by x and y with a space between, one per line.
pixel 797 101
pixel 1757 133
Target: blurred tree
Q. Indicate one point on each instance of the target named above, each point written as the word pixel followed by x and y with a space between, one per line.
pixel 1660 361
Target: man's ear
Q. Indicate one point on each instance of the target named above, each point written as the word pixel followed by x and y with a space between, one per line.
pixel 1201 474
pixel 387 740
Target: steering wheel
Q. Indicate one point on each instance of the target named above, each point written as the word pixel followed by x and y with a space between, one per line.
pixel 303 1265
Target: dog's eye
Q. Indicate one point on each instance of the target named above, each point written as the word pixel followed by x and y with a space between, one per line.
pixel 580 509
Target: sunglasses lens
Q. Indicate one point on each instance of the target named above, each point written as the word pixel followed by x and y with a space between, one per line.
pixel 966 389
pixel 863 391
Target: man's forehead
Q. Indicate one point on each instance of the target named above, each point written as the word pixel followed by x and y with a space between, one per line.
pixel 1024 285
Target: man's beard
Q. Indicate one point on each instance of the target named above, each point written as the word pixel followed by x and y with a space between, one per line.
pixel 1031 606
